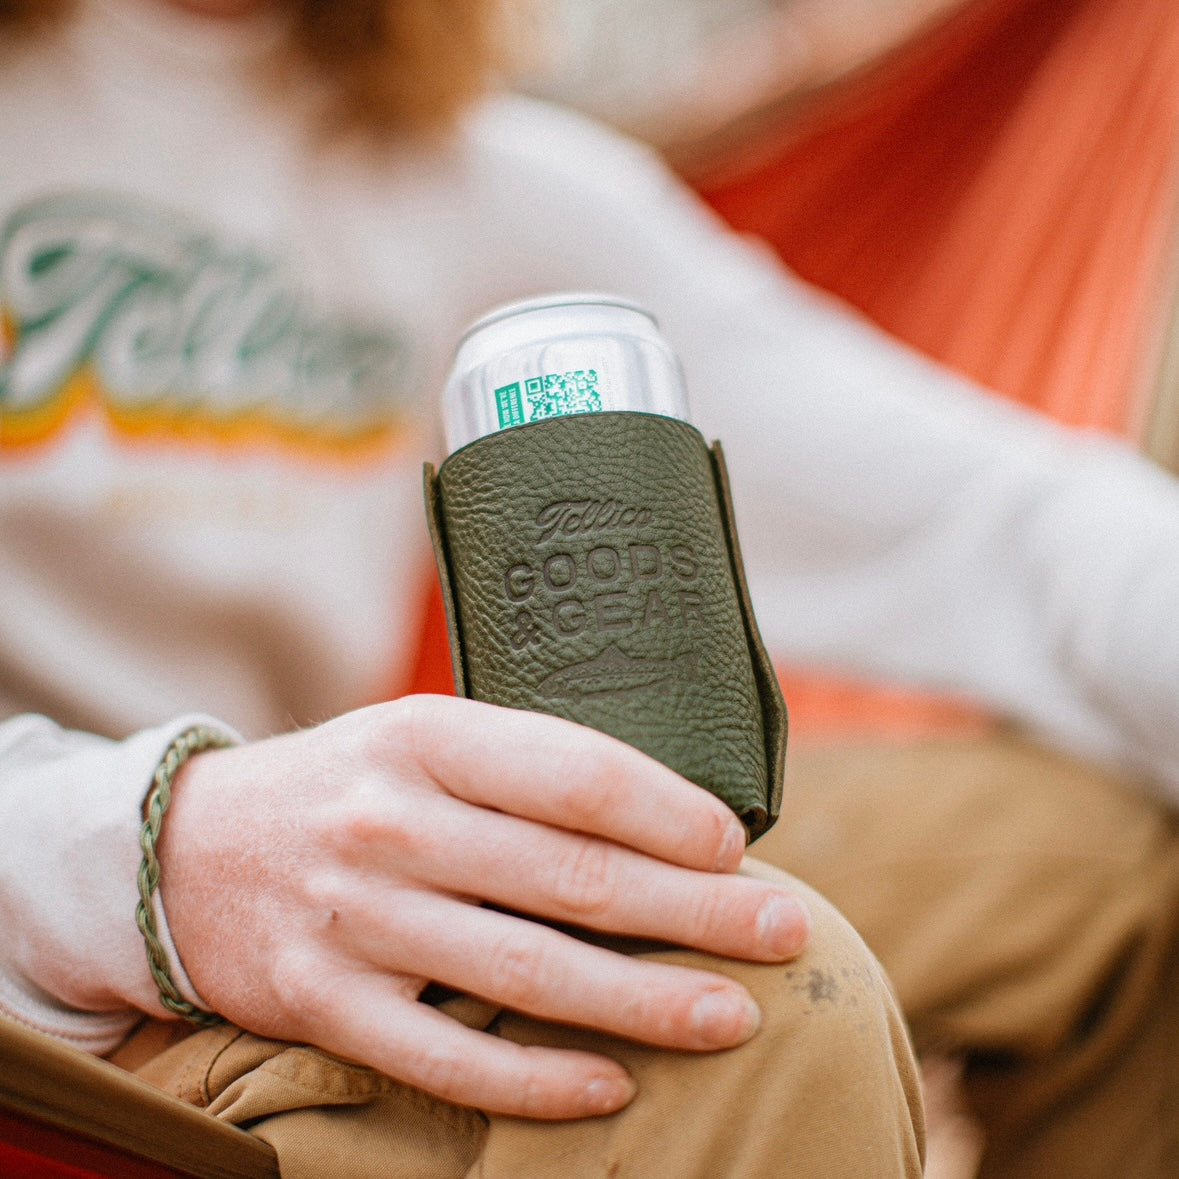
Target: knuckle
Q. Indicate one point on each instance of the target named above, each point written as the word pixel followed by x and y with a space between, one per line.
pixel 662 1012
pixel 666 1020
pixel 322 890
pixel 438 1071
pixel 390 822
pixel 534 1093
pixel 585 879
pixel 296 981
pixel 516 973
pixel 587 807
pixel 395 731
pixel 409 724
pixel 645 1009
pixel 712 829
pixel 711 912
pixel 418 729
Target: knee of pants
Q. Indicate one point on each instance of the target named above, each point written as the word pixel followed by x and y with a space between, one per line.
pixel 827 1086
pixel 831 1012
pixel 831 1009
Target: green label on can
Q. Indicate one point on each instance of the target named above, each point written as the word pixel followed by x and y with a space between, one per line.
pixel 551 395
pixel 508 405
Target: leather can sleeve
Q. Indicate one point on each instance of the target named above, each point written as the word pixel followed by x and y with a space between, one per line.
pixel 590 570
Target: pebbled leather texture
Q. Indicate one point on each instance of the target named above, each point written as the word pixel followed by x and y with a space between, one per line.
pixel 590 570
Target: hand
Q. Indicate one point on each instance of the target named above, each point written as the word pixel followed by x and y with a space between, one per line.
pixel 315 882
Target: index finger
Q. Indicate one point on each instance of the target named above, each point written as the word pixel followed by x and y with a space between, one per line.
pixel 567 775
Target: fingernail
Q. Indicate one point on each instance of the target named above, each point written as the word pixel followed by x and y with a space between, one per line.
pixel 722 1019
pixel 604 1095
pixel 783 925
pixel 732 848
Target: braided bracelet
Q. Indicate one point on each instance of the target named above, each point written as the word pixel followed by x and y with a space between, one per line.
pixel 191 741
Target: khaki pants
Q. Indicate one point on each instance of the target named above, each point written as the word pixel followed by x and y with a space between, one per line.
pixel 827 1088
pixel 1026 909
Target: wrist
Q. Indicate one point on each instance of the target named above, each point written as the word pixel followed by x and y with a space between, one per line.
pixel 176 993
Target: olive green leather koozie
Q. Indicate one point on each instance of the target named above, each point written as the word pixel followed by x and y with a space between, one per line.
pixel 590 570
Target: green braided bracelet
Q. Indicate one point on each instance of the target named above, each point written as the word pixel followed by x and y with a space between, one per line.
pixel 190 742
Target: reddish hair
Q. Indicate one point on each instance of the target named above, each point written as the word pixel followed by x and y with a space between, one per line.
pixel 21 16
pixel 389 66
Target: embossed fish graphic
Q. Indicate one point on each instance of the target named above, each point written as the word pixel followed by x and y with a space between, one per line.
pixel 616 671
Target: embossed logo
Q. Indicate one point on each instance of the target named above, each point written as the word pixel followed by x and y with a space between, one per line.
pixel 574 517
pixel 614 671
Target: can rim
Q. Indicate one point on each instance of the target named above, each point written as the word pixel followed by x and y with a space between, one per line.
pixel 548 302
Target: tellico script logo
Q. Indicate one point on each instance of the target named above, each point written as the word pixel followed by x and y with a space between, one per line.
pixel 570 517
pixel 128 307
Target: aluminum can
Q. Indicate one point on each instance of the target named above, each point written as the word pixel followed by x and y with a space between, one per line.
pixel 557 355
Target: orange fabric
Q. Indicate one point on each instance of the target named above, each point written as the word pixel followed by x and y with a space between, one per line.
pixel 1000 194
pixel 431 671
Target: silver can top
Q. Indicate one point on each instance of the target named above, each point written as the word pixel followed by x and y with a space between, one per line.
pixel 555 355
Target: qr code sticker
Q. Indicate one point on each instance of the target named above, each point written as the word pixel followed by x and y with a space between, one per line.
pixel 556 394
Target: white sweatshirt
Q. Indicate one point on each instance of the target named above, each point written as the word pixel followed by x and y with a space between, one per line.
pixel 220 347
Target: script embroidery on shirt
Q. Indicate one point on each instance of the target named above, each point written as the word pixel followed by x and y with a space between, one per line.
pixel 121 306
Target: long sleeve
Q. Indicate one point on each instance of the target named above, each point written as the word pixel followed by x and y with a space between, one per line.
pixel 72 962
pixel 899 523
pixel 895 520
